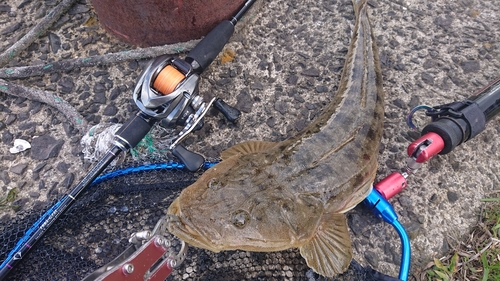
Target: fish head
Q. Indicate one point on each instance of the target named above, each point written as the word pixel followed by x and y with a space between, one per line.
pixel 234 207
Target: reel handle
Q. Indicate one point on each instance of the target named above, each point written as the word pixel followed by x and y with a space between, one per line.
pixel 232 114
pixel 193 161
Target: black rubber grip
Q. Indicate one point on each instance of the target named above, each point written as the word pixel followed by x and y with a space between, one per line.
pixel 457 123
pixel 232 114
pixel 133 131
pixel 475 118
pixel 450 130
pixel 207 50
pixel 193 161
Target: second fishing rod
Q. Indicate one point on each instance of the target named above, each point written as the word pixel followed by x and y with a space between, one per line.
pixel 167 92
pixel 452 124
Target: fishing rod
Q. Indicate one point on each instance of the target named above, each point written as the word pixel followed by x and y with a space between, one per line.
pixel 167 92
pixel 452 124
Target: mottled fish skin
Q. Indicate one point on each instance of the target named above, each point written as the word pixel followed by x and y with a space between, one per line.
pixel 273 196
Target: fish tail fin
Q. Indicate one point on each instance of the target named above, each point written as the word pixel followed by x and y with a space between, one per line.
pixel 329 252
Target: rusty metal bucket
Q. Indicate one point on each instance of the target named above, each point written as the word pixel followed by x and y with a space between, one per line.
pixel 157 22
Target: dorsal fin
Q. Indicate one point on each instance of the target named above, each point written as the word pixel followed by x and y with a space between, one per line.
pixel 329 252
pixel 246 148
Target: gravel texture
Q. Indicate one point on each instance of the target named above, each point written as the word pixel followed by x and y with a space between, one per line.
pixel 286 67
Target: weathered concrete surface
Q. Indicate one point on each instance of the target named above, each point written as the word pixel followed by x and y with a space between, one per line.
pixel 287 67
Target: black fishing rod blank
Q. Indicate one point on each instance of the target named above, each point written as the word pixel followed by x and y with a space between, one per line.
pixel 488 99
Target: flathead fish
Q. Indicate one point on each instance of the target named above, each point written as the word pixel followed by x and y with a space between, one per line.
pixel 266 196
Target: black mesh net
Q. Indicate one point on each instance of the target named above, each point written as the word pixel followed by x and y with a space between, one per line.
pixel 97 227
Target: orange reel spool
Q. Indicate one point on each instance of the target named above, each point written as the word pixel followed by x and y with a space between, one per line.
pixel 167 80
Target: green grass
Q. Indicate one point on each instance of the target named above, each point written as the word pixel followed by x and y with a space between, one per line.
pixel 7 199
pixel 441 271
pixel 477 258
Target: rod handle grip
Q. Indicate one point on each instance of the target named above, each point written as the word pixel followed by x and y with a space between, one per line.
pixel 209 47
pixel 134 130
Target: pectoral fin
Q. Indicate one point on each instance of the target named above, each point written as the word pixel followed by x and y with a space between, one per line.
pixel 329 253
pixel 246 148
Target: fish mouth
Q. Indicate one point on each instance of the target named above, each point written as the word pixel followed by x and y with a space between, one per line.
pixel 185 230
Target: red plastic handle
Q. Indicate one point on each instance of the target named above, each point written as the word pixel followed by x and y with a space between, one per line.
pixel 391 185
pixel 433 142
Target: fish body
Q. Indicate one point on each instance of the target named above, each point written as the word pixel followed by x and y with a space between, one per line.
pixel 266 196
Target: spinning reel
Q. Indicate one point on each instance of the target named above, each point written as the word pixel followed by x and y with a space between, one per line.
pixel 167 91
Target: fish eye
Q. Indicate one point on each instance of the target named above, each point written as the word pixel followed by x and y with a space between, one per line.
pixel 240 218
